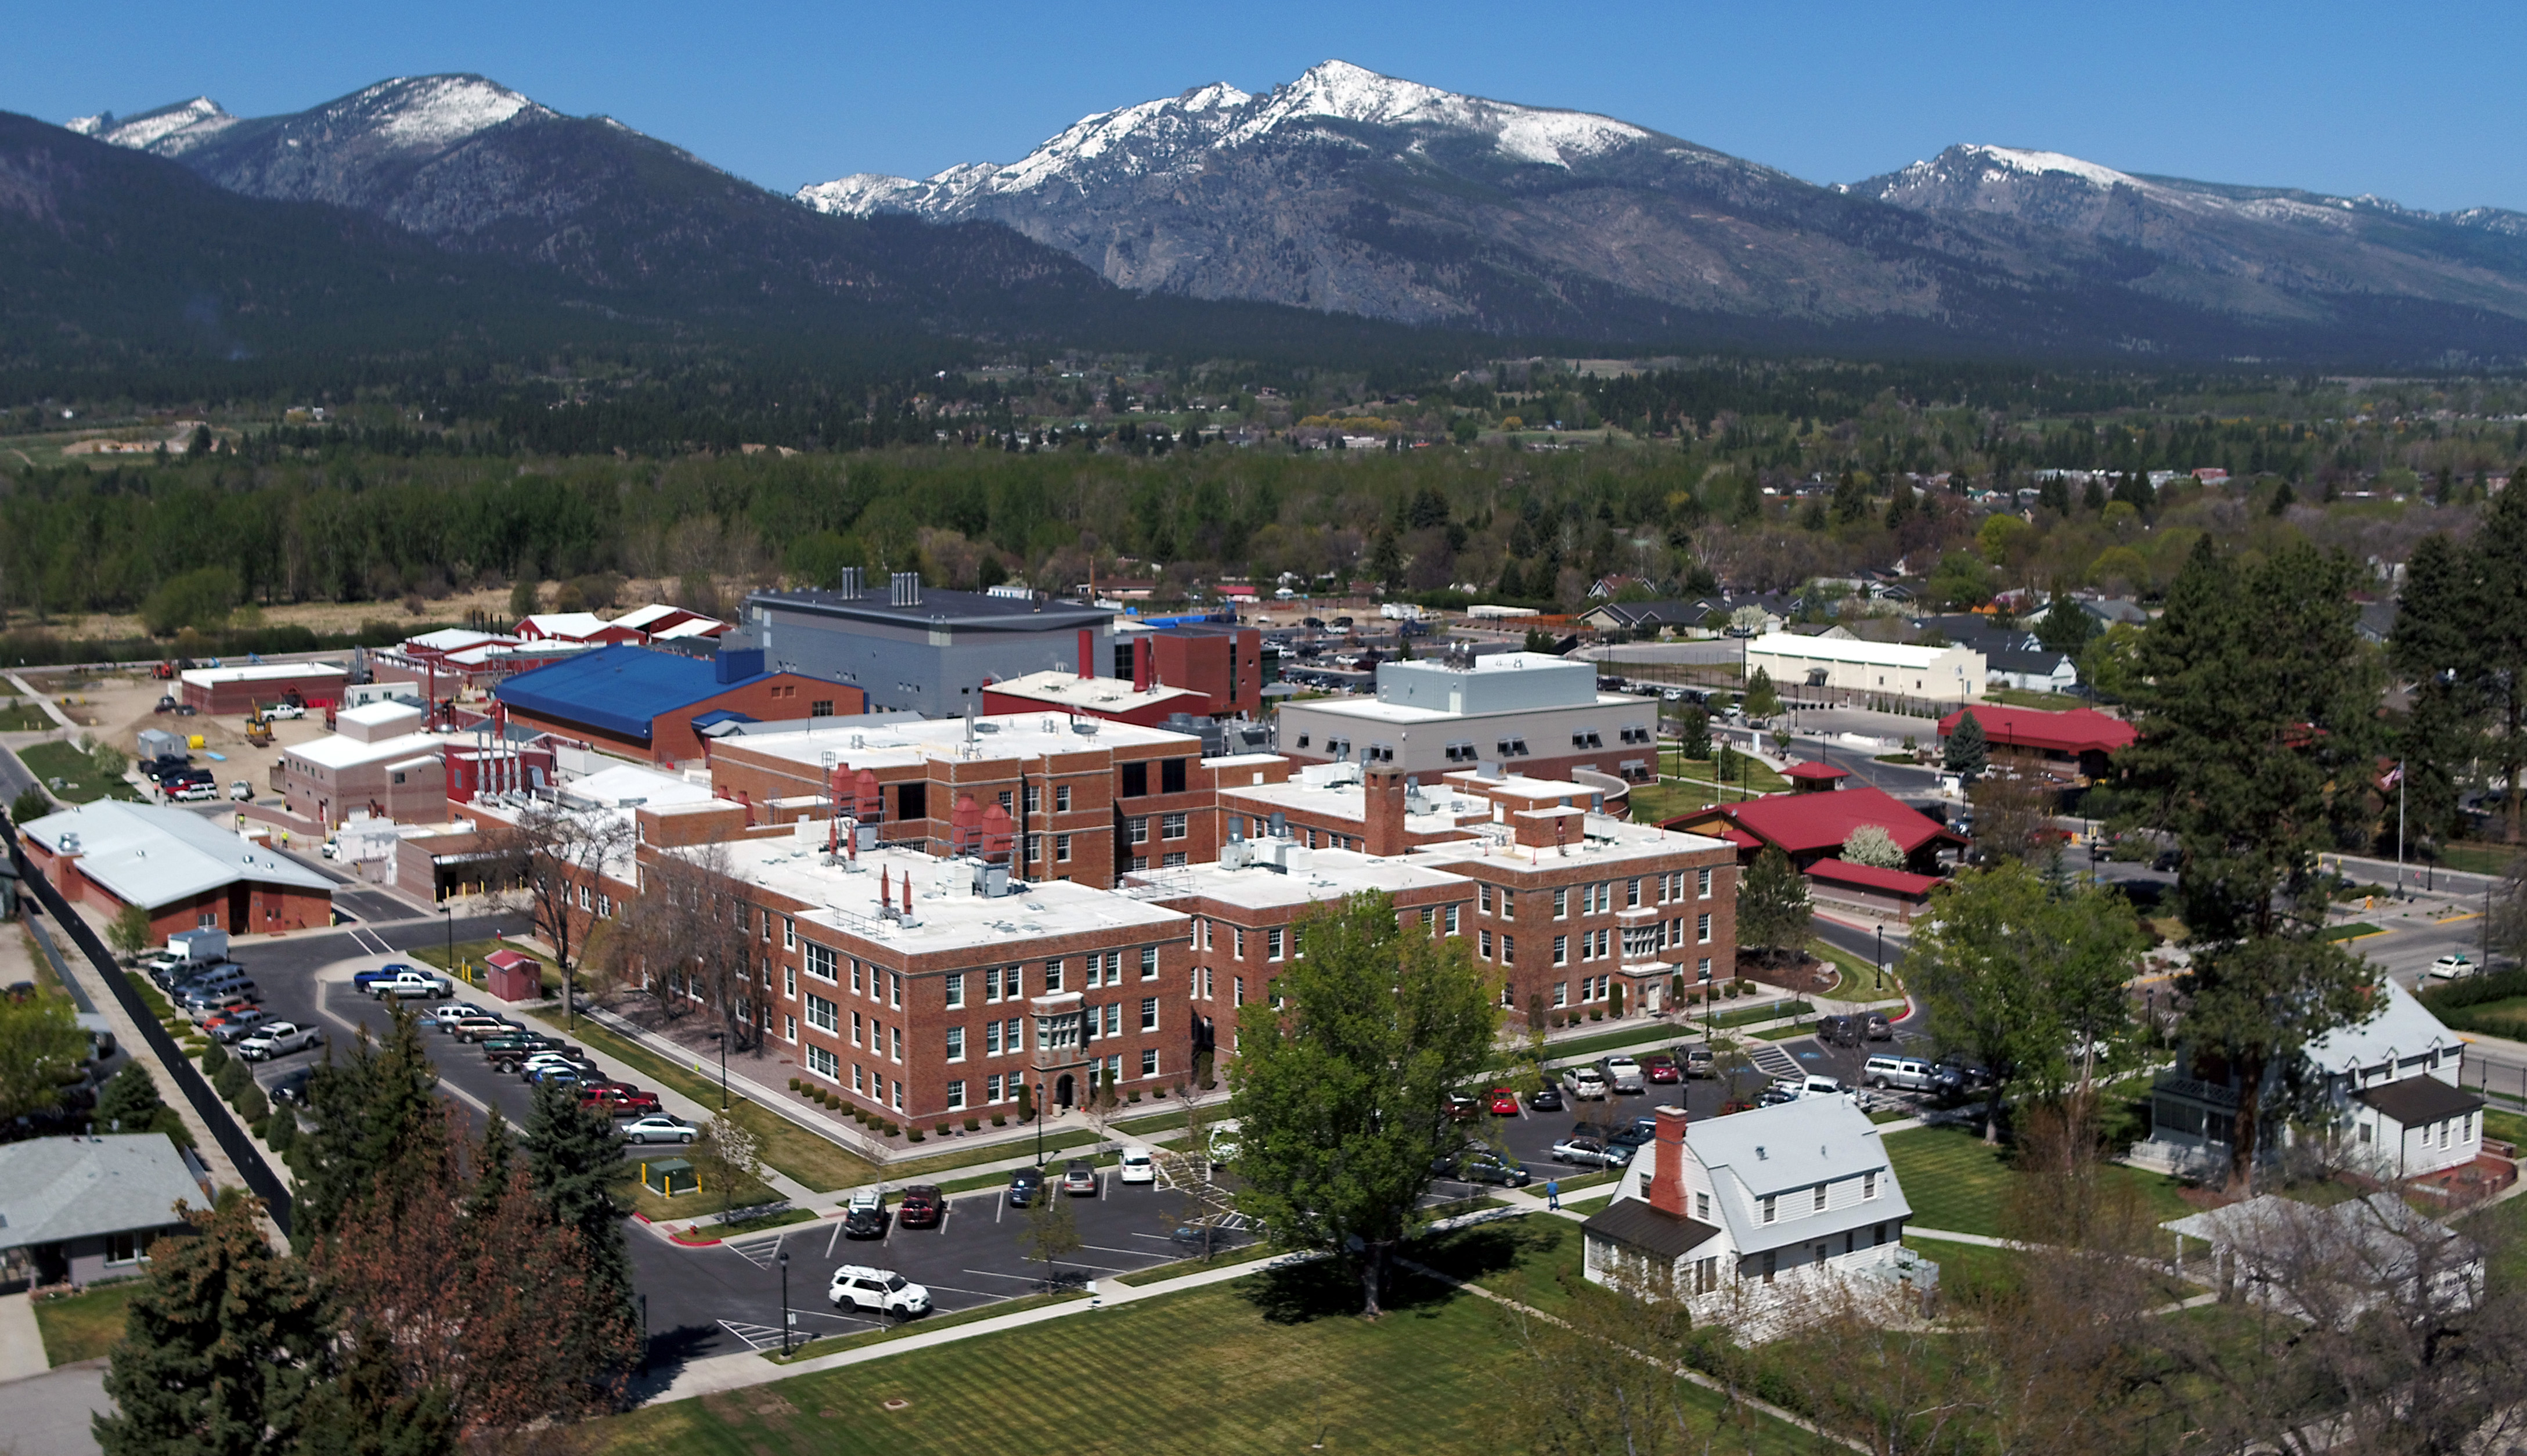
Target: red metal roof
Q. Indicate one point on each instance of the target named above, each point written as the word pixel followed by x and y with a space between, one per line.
pixel 2075 732
pixel 1819 772
pixel 1871 878
pixel 1808 823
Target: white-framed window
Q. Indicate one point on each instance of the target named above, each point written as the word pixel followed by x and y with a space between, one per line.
pixel 1484 939
pixel 1237 990
pixel 1561 949
pixel 1051 977
pixel 825 1063
pixel 1560 994
pixel 1014 1039
pixel 991 1038
pixel 1149 1013
pixel 1137 829
pixel 1061 801
pixel 855 1024
pixel 1061 846
pixel 1868 1185
pixel 1702 968
pixel 1820 1198
pixel 820 963
pixel 1483 900
pixel 860 1078
pixel 1149 962
pixel 789 1029
pixel 1560 904
pixel 1149 1061
pixel 789 933
pixel 856 975
pixel 1702 1207
pixel 1137 863
pixel 1174 860
pixel 1171 826
pixel 1772 1209
pixel 1702 884
pixel 1272 944
pixel 899 1095
pixel 992 1087
pixel 956 1043
pixel 1237 942
pixel 789 981
pixel 1702 928
pixel 955 1094
pixel 1450 918
pixel 953 987
pixel 823 1015
pixel 1110 1019
pixel 1508 950
pixel 895 1045
pixel 1631 892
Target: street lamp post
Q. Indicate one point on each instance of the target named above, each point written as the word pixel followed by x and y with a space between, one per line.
pixel 783 1258
pixel 1039 1121
pixel 1882 957
pixel 722 1038
pixel 447 912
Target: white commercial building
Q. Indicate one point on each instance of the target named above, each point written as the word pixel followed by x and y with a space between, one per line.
pixel 1842 664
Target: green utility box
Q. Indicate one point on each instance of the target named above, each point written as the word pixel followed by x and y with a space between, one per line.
pixel 668 1176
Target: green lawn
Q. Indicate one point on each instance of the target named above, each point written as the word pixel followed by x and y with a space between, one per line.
pixel 2509 1127
pixel 1677 792
pixel 2348 932
pixel 23 715
pixel 84 1325
pixel 81 782
pixel 2022 698
pixel 1954 1181
pixel 1269 1363
pixel 819 1163
pixel 2479 858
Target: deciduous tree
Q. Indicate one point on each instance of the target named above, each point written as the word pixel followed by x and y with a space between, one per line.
pixel 41 1046
pixel 1341 1087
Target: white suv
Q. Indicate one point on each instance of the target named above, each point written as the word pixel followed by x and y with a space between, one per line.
pixel 1584 1082
pixel 877 1291
pixel 1137 1166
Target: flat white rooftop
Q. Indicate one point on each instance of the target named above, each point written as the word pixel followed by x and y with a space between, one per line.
pixel 340 751
pixel 258 672
pixel 1601 841
pixel 997 736
pixel 1847 649
pixel 949 915
pixel 1371 709
pixel 1098 694
pixel 1311 876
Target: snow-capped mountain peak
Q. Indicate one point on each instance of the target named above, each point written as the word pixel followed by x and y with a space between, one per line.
pixel 167 130
pixel 435 111
pixel 2040 164
pixel 1174 133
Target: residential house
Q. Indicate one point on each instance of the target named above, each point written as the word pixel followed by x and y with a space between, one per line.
pixel 2332 1264
pixel 1758 1218
pixel 85 1209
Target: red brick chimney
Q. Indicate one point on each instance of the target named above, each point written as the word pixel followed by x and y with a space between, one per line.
pixel 1145 662
pixel 1382 832
pixel 1087 651
pixel 1667 1174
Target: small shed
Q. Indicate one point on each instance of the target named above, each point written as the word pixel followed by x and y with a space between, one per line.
pixel 513 976
pixel 668 1176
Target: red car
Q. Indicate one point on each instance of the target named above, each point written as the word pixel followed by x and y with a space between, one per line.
pixel 922 1207
pixel 1504 1102
pixel 1659 1066
pixel 619 1098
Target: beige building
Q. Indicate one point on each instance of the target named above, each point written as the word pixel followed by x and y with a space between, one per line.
pixel 1851 666
pixel 377 761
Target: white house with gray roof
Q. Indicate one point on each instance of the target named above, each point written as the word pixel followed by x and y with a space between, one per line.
pixel 1759 1215
pixel 85 1209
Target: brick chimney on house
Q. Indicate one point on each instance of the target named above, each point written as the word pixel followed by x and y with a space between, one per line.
pixel 1382 812
pixel 1667 1172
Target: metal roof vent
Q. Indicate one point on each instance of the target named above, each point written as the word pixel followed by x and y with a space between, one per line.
pixel 905 588
pixel 846 584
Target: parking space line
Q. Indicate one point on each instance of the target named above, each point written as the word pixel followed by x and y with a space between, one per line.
pixel 831 1237
pixel 992 1273
pixel 977 1293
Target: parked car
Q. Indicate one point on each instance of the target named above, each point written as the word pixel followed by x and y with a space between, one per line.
pixel 1839 1031
pixel 1545 1099
pixel 1904 1073
pixel 518 1043
pixel 447 1016
pixel 877 1291
pixel 1777 1093
pixel 240 790
pixel 565 1074
pixel 2453 966
pixel 865 1216
pixel 922 1207
pixel 658 1127
pixel 529 1066
pixel 1879 1028
pixel 233 1027
pixel 362 980
pixel 279 1039
pixel 1463 1107
pixel 1699 1064
pixel 1504 1102
pixel 1492 1168
pixel 291 1088
pixel 1026 1186
pixel 1136 1167
pixel 618 1098
pixel 1661 1068
pixel 1586 1152
pixel 1813 1085
pixel 481 1027
pixel 281 713
pixel 1622 1073
pixel 1587 1083
pixel 417 984
pixel 1079 1177
pixel 205 1009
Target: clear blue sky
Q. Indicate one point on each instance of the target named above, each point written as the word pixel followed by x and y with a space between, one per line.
pixel 2425 104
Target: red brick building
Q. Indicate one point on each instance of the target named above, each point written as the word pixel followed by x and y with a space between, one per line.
pixel 186 871
pixel 240 688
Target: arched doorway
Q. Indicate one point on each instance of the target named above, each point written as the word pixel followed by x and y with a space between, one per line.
pixel 1062 1092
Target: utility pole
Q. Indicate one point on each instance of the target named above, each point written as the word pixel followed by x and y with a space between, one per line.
pixel 2400 829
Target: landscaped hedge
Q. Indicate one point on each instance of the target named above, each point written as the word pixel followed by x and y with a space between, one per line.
pixel 2457 1003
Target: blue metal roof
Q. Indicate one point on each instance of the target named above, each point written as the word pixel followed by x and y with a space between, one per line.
pixel 619 688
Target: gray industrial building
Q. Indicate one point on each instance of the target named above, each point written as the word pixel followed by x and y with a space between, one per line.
pixel 1533 715
pixel 914 649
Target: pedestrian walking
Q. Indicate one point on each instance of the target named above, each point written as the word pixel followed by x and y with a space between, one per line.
pixel 1553 1193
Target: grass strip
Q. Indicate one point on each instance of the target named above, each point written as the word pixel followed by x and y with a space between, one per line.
pixel 816 1161
pixel 835 1344
pixel 81 782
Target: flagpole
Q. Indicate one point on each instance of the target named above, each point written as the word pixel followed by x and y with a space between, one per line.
pixel 2400 829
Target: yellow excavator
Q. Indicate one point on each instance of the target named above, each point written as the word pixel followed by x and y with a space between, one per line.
pixel 258 729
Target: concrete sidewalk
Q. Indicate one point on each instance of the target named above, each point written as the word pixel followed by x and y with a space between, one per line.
pixel 21 1340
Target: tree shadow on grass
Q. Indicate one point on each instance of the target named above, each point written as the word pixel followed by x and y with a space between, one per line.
pixel 1323 1289
pixel 1480 1250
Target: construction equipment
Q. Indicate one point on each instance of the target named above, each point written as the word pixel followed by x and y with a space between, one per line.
pixel 258 729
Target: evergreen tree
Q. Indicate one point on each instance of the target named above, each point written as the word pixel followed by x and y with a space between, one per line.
pixel 1773 908
pixel 218 1349
pixel 1694 735
pixel 2435 647
pixel 1761 701
pixel 369 1410
pixel 376 1118
pixel 2497 558
pixel 574 1158
pixel 2257 731
pixel 1969 751
pixel 2066 626
pixel 129 1102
